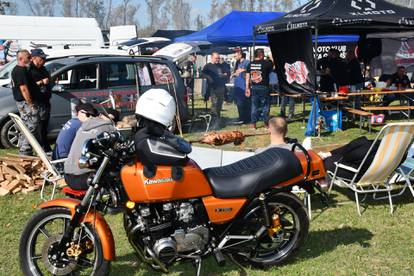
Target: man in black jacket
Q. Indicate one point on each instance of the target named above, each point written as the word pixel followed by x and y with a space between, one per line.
pixel 42 78
pixel 216 79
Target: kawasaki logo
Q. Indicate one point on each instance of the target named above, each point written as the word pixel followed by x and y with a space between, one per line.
pixel 157 181
pixel 367 7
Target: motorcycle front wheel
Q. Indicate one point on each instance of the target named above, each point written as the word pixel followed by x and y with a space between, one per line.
pixel 43 232
pixel 290 216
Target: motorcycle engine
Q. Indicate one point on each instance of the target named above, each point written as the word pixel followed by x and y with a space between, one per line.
pixel 172 229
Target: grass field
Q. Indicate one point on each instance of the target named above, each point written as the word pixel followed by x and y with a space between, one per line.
pixel 339 243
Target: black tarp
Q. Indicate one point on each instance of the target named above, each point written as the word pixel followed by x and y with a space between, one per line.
pixel 294 65
pixel 344 17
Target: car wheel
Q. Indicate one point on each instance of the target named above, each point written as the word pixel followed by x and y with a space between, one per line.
pixel 9 135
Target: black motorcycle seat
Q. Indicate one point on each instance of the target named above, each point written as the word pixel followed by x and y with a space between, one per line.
pixel 254 174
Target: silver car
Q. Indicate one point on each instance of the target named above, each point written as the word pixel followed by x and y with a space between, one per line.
pixel 93 79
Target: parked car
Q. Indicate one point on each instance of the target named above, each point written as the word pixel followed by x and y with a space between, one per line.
pixel 52 55
pixel 93 79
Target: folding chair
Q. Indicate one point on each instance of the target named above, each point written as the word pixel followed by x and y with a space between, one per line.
pixel 394 140
pixel 51 175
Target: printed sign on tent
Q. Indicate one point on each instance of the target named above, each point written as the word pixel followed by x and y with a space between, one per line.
pixel 294 61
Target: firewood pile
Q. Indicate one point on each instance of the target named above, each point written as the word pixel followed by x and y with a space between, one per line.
pixel 20 174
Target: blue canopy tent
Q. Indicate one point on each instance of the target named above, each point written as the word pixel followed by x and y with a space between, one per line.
pixel 236 29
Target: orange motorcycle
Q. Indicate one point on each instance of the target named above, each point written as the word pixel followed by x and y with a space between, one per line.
pixel 244 210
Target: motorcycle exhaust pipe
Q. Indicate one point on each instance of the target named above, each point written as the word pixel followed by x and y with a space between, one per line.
pixel 145 253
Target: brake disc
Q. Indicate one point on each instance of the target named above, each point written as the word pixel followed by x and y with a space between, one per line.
pixel 57 265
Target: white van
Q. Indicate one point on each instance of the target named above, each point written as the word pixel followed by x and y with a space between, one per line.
pixel 27 32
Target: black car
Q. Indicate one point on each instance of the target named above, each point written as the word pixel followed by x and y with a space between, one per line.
pixel 93 79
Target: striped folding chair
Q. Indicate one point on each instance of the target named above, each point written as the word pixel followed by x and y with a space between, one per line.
pixel 385 170
pixel 51 175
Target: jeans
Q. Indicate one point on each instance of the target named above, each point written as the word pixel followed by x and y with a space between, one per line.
pixel 260 103
pixel 243 104
pixel 283 103
pixel 30 117
pixel 217 98
pixel 44 113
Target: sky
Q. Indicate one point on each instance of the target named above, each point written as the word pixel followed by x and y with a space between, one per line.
pixel 198 7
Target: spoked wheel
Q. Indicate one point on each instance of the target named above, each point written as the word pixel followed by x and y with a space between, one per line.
pixel 83 256
pixel 289 230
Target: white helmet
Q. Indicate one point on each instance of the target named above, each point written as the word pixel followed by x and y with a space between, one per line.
pixel 156 105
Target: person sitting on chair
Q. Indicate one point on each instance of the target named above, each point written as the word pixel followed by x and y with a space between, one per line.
pixel 84 112
pixel 351 155
pixel 75 177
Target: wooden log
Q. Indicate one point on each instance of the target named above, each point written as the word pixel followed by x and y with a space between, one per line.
pixel 30 189
pixel 23 157
pixel 4 183
pixel 9 171
pixel 1 174
pixel 19 168
pixel 3 191
pixel 17 190
pixel 38 182
pixel 13 185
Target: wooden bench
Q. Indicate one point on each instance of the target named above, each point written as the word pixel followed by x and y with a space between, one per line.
pixel 400 108
pixel 362 115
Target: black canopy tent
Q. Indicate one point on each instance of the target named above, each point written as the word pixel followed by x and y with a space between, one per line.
pixel 343 17
pixel 360 17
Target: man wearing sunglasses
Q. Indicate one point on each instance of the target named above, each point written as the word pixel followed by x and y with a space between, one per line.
pixel 26 93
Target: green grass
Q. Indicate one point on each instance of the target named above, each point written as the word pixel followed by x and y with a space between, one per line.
pixel 339 243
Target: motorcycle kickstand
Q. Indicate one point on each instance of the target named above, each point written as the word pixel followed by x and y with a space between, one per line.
pixel 197 264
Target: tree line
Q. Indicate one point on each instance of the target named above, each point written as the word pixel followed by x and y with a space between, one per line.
pixel 161 14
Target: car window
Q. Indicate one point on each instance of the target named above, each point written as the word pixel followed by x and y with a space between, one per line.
pixel 84 77
pixel 79 77
pixel 54 66
pixel 162 73
pixel 119 74
pixel 144 74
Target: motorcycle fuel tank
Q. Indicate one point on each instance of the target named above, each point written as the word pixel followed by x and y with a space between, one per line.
pixel 162 187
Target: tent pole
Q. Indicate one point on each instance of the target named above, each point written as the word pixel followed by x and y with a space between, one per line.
pixel 254 45
pixel 315 96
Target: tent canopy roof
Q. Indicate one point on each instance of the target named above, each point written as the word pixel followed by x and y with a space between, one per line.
pixel 234 29
pixel 344 17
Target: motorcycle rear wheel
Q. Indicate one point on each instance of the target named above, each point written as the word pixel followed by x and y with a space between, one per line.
pixel 285 243
pixel 42 233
